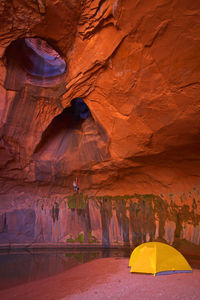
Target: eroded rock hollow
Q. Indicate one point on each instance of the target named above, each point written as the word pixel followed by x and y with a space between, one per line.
pixel 106 94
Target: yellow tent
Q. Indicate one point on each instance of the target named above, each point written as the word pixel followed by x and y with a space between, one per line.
pixel 157 258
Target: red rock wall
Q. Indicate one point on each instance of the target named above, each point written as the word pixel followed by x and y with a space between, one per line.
pixel 109 221
pixel 136 65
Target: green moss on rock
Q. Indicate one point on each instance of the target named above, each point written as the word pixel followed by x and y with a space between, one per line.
pixel 77 201
pixel 79 239
pixel 70 240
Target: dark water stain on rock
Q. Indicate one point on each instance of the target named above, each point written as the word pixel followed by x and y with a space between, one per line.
pixel 122 218
pixel 105 206
pixel 55 211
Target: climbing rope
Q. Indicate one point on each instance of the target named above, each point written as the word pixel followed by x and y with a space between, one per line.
pixel 76 182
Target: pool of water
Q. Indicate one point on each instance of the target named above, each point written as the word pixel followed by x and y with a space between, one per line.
pixel 18 267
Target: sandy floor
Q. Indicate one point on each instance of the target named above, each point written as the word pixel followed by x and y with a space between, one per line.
pixel 108 278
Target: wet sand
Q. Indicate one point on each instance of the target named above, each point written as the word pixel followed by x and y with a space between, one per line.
pixel 108 278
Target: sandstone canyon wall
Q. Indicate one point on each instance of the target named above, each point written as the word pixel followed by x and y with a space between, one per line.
pixel 136 65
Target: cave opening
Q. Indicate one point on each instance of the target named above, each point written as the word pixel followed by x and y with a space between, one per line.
pixel 68 123
pixel 32 60
pixel 73 141
pixel 40 59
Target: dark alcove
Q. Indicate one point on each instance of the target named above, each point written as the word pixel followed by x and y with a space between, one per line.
pixel 69 120
pixel 74 138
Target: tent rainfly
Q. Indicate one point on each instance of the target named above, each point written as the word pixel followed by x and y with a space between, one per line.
pixel 158 259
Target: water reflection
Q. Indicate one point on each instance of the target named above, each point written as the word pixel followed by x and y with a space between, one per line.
pixel 18 267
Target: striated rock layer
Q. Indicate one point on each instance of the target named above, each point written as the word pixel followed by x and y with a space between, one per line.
pixel 136 157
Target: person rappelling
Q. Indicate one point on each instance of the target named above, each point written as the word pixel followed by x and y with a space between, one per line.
pixel 75 185
pixel 80 113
